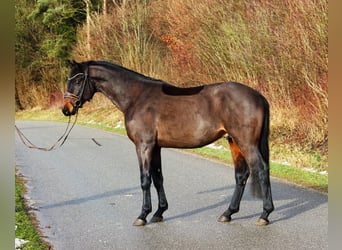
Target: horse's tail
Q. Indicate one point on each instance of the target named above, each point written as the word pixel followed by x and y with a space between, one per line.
pixel 263 142
pixel 264 151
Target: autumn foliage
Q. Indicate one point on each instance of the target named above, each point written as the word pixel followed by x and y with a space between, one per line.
pixel 279 47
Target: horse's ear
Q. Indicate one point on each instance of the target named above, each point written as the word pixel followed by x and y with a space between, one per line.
pixel 71 63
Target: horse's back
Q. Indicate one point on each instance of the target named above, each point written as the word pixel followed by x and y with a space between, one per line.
pixel 233 96
pixel 172 90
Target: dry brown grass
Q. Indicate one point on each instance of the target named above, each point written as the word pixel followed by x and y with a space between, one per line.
pixel 278 47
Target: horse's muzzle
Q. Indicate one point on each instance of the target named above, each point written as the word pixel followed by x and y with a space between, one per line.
pixel 71 104
pixel 68 109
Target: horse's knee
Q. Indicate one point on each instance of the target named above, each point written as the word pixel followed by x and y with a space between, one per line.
pixel 241 178
pixel 145 182
pixel 158 179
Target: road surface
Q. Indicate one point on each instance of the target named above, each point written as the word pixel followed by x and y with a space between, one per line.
pixel 86 196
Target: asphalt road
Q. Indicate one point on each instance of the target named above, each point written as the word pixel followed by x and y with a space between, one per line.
pixel 87 196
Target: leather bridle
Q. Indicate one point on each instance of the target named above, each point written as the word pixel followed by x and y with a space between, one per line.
pixel 77 104
pixel 77 98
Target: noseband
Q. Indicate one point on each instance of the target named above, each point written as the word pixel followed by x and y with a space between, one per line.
pixel 77 98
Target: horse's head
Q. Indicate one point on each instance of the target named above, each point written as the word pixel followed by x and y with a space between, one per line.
pixel 79 88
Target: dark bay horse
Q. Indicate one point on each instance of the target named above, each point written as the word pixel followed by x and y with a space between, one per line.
pixel 158 115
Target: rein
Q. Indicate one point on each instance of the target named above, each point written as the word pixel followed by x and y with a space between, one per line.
pixel 56 145
pixel 61 140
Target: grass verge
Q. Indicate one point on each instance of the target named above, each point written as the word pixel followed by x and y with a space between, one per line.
pixel 288 173
pixel 25 222
pixel 110 120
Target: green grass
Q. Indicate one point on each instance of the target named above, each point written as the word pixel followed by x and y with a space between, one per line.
pixel 291 174
pixel 300 176
pixel 25 226
pixel 91 118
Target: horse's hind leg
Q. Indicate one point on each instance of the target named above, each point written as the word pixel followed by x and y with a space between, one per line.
pixel 265 184
pixel 157 178
pixel 241 176
pixel 260 182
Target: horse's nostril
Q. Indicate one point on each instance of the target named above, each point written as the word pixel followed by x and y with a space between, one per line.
pixel 66 111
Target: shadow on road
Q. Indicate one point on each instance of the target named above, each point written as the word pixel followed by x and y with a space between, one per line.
pixel 294 201
pixel 90 198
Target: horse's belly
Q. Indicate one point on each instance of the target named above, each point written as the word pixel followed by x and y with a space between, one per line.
pixel 189 137
pixel 188 122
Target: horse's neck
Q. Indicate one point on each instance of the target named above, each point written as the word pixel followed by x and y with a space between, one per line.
pixel 121 91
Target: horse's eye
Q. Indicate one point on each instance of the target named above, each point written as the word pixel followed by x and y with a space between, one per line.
pixel 76 81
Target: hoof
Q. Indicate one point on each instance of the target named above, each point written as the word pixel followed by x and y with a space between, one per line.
pixel 139 222
pixel 262 222
pixel 223 218
pixel 156 219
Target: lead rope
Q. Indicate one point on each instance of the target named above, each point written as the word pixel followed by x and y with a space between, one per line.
pixel 56 145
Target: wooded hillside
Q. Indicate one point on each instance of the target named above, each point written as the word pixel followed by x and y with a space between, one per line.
pixel 279 47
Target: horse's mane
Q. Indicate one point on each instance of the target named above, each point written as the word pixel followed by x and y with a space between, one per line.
pixel 167 88
pixel 122 69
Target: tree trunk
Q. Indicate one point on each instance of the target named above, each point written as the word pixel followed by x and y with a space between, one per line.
pixel 87 2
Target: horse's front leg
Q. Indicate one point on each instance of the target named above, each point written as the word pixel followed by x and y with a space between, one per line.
pixel 144 152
